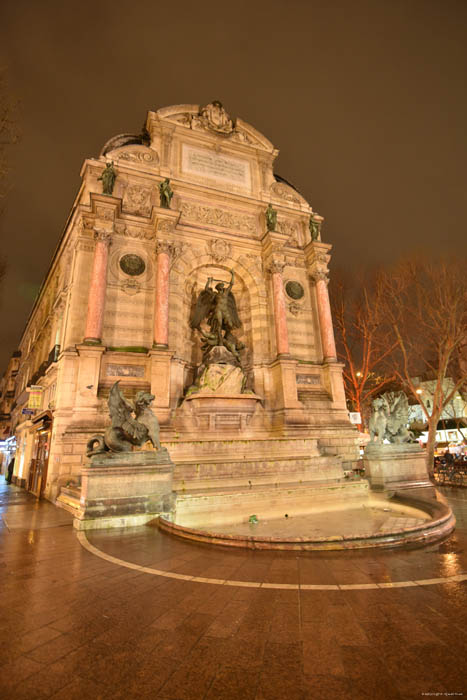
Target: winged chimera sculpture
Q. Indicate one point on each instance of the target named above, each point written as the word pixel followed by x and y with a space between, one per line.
pixel 127 429
pixel 389 419
pixel 218 306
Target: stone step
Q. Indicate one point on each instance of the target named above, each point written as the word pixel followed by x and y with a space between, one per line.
pixel 231 449
pixel 220 506
pixel 69 499
pixel 209 473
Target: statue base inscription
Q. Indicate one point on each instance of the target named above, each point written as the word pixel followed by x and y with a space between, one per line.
pixel 125 489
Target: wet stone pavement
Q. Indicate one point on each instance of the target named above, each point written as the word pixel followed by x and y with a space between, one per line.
pixel 136 613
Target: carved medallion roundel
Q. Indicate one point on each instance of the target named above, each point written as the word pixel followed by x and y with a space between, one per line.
pixel 294 290
pixel 132 264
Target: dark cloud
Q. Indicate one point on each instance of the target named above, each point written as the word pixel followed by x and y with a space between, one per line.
pixel 366 101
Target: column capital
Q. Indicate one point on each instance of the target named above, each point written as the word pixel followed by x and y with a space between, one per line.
pixel 163 245
pixel 275 265
pixel 319 276
pixel 102 235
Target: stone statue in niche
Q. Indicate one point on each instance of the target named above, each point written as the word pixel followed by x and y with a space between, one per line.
pixel 133 424
pixel 166 193
pixel 218 307
pixel 220 371
pixel 108 178
pixel 271 218
pixel 389 419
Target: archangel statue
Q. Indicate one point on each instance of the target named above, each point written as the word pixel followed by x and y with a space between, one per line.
pixel 389 418
pixel 108 178
pixel 219 308
pixel 132 424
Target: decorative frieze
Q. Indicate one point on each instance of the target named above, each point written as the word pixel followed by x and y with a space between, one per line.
pixel 219 217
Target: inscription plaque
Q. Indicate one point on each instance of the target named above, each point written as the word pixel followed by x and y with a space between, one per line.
pixel 125 371
pixel 310 379
pixel 216 166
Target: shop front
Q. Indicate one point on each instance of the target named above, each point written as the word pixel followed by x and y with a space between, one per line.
pixel 41 433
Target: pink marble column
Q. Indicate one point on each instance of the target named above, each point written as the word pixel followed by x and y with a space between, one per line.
pixel 97 289
pixel 324 315
pixel 161 311
pixel 280 318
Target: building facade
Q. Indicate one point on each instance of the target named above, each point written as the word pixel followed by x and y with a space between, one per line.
pixel 118 297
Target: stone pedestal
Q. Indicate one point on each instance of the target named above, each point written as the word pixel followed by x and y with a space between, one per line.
pixel 125 489
pixel 217 414
pixel 398 468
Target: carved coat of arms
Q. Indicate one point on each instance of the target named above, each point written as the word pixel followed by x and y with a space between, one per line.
pixel 215 118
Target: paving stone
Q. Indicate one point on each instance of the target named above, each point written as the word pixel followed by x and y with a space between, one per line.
pixel 74 625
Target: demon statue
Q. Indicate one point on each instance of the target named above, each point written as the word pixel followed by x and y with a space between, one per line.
pixel 389 418
pixel 132 424
pixel 219 308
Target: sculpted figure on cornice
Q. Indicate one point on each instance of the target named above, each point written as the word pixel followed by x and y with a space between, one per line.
pixel 165 193
pixel 108 178
pixel 315 227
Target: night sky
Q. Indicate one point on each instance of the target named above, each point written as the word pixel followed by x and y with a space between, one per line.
pixel 365 99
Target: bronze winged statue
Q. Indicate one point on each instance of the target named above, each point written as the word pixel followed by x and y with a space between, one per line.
pixel 127 429
pixel 219 308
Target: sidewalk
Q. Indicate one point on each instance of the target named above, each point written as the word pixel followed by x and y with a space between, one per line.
pixel 138 614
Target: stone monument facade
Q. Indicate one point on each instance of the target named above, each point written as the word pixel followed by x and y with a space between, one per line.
pixel 191 202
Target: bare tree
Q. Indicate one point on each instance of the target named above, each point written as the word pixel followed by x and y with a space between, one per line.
pixel 364 341
pixel 425 304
